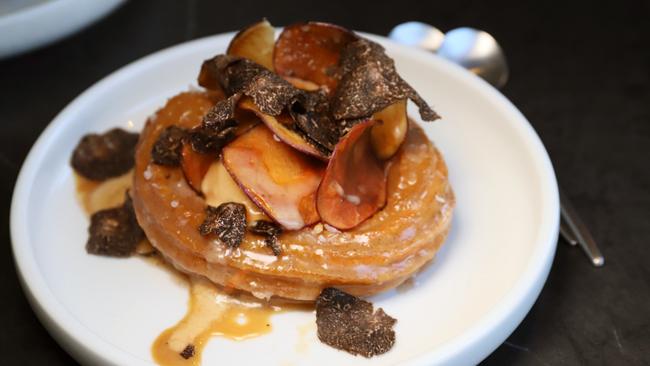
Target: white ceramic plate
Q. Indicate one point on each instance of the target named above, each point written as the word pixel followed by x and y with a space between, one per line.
pixel 482 283
pixel 28 24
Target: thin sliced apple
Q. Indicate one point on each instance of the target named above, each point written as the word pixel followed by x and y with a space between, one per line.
pixel 218 187
pixel 280 180
pixel 195 165
pixel 256 43
pixel 311 51
pixel 389 132
pixel 354 184
pixel 280 127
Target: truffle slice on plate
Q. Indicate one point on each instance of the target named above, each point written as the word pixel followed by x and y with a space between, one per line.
pixel 351 324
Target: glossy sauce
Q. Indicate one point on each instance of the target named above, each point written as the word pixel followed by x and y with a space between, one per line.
pixel 219 187
pixel 306 336
pixel 211 310
pixel 99 195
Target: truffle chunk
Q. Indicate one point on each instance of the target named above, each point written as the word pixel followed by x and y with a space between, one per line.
pixel 270 230
pixel 228 222
pixel 188 352
pixel 167 150
pixel 351 324
pixel 211 140
pixel 103 156
pixel 114 232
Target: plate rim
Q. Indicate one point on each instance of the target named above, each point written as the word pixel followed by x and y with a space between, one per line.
pixel 485 335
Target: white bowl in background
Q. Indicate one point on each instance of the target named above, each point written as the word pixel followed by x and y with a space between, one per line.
pixel 29 24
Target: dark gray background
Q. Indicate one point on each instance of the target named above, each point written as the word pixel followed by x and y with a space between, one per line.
pixel 579 72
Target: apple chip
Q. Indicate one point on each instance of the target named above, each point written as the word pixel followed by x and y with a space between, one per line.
pixel 255 43
pixel 280 180
pixel 390 130
pixel 195 165
pixel 282 127
pixel 354 184
pixel 218 187
pixel 311 51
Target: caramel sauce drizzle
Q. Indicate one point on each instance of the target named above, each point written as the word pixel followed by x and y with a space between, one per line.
pixel 99 195
pixel 212 311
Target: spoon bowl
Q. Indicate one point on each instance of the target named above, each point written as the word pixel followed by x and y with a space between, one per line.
pixel 418 34
pixel 471 48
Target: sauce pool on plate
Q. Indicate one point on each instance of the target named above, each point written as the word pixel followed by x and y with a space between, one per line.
pixel 212 311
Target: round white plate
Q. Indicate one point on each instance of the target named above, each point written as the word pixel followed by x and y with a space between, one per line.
pixel 480 286
pixel 28 24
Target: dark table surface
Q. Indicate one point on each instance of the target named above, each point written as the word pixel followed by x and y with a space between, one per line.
pixel 579 72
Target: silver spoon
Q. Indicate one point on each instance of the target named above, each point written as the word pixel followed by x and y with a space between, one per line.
pixel 471 48
pixel 480 53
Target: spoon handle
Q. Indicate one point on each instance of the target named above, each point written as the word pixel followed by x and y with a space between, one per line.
pixel 567 233
pixel 580 231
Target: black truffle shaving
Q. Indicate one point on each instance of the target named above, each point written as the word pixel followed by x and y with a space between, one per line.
pixel 270 93
pixel 211 140
pixel 311 113
pixel 103 156
pixel 272 243
pixel 114 232
pixel 370 83
pixel 222 111
pixel 168 147
pixel 234 73
pixel 270 231
pixel 239 76
pixel 188 352
pixel 212 74
pixel 350 324
pixel 228 222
